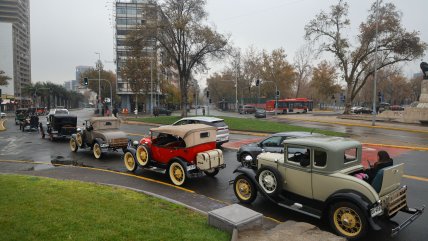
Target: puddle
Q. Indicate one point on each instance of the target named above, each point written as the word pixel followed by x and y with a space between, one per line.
pixel 60 161
pixel 40 167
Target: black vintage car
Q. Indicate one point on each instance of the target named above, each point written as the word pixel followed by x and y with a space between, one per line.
pixel 59 126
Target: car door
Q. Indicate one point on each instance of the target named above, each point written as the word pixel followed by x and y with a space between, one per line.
pixel 297 178
pixel 272 144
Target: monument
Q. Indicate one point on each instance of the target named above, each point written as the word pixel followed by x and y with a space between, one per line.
pixel 418 114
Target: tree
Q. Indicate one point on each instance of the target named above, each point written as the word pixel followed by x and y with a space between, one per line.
pixel 3 78
pixel 357 63
pixel 181 33
pixel 222 85
pixel 92 75
pixel 303 68
pixel 324 81
pixel 275 68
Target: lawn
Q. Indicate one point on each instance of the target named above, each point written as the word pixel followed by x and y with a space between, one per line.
pixel 35 208
pixel 243 124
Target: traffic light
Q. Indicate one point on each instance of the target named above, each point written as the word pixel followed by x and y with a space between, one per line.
pixel 85 81
pixel 257 82
pixel 208 94
pixel 277 93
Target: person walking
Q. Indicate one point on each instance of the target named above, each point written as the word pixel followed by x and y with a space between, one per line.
pixel 203 110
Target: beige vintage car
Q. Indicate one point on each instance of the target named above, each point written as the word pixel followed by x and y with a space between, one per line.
pixel 100 133
pixel 318 176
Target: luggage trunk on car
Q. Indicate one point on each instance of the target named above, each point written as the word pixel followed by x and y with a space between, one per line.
pixel 209 159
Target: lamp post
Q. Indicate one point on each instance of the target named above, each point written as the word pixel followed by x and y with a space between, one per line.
pixel 99 80
pixel 374 112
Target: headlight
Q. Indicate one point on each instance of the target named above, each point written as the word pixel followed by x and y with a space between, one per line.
pixel 78 130
pixel 135 143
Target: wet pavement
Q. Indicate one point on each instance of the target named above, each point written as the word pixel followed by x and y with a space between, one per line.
pixel 24 146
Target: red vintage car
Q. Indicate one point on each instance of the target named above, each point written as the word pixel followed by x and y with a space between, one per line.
pixel 181 152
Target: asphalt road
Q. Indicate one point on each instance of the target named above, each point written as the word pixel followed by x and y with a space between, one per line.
pixel 17 145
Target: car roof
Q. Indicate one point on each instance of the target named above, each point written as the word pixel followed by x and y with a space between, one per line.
pixel 203 118
pixel 297 134
pixel 331 143
pixel 182 130
pixel 107 118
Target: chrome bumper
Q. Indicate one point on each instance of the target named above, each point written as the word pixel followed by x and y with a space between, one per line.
pixel 416 213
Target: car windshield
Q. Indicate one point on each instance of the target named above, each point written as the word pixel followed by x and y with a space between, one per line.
pixel 218 124
pixel 61 112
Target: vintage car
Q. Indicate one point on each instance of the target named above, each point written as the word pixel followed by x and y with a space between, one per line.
pixel 100 133
pixel 320 179
pixel 20 115
pixel 30 123
pixel 180 151
pixel 59 126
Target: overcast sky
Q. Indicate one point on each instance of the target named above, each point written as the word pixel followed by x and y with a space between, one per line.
pixel 65 34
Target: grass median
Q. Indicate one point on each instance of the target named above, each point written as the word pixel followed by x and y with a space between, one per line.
pixel 243 124
pixel 35 208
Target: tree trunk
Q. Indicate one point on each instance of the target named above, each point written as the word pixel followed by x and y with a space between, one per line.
pixel 348 99
pixel 183 94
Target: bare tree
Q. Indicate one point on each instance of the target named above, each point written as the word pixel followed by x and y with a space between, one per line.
pixel 302 66
pixel 180 31
pixel 357 63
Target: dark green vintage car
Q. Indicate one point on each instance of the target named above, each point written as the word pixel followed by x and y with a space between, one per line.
pixel 20 115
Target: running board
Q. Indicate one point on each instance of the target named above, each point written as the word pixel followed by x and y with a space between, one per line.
pixel 289 204
pixel 156 169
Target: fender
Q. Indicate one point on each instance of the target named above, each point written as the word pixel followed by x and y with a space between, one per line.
pixel 132 150
pixel 357 199
pixel 247 171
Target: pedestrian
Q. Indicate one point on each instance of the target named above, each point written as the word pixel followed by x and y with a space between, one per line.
pixel 383 160
pixel 203 111
pixel 115 111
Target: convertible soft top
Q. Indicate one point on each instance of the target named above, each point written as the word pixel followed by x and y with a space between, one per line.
pixel 192 134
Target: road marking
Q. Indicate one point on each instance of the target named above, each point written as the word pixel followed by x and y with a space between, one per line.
pixel 423 179
pixel 103 170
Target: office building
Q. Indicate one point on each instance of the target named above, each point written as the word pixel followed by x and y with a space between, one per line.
pixel 15 54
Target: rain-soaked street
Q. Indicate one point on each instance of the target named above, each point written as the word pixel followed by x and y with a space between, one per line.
pixel 16 145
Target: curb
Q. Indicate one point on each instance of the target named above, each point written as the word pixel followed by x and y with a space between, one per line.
pixel 360 125
pixel 2 127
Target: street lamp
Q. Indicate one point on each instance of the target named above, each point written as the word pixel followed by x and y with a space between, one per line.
pixel 374 112
pixel 99 80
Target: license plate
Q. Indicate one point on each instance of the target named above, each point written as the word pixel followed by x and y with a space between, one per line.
pixel 191 167
pixel 376 211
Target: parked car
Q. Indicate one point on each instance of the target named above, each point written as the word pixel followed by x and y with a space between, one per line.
pixel 355 109
pixel 100 133
pixel 222 128
pixel 59 126
pixel 246 109
pixel 2 115
pixel 181 152
pixel 321 180
pixel 396 108
pixel 161 111
pixel 260 113
pixel 248 153
pixel 20 115
pixel 363 110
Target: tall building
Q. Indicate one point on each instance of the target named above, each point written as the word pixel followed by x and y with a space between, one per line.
pixel 15 54
pixel 129 15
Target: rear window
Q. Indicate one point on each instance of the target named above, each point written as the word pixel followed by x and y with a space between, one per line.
pixel 350 155
pixel 61 112
pixel 216 123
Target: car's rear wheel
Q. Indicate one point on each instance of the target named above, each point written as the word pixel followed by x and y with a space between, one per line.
pixel 211 172
pixel 97 150
pixel 130 163
pixel 143 155
pixel 73 145
pixel 79 139
pixel 177 173
pixel 270 180
pixel 245 190
pixel 348 220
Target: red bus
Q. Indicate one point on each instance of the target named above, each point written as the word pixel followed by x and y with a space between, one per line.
pixel 297 105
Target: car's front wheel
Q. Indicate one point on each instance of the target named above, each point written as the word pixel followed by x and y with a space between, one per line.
pixel 130 163
pixel 245 190
pixel 348 220
pixel 79 139
pixel 211 172
pixel 270 180
pixel 177 173
pixel 97 150
pixel 143 155
pixel 73 145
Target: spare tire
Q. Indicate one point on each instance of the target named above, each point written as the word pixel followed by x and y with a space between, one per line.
pixel 270 181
